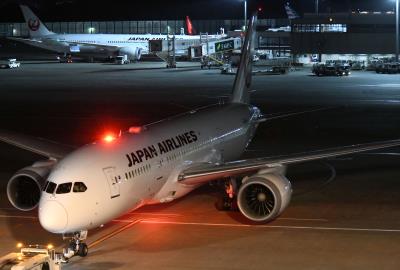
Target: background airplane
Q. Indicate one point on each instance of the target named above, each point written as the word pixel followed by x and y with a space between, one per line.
pixel 105 45
pixel 290 12
pixel 77 190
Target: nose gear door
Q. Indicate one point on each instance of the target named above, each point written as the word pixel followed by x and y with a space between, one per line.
pixel 113 181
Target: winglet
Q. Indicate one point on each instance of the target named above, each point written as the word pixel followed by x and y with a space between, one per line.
pixel 35 26
pixel 241 86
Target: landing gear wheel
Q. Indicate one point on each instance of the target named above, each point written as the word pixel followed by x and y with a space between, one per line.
pixel 223 203
pixel 227 199
pixel 83 250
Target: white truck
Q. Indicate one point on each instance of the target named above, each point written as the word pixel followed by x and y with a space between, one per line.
pixel 32 258
pixel 12 63
pixel 122 60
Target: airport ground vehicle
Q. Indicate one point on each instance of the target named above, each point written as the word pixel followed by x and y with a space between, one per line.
pixel 65 59
pixel 33 257
pixel 227 69
pixel 122 60
pixel 357 65
pixel 389 68
pixel 331 70
pixel 274 70
pixel 12 63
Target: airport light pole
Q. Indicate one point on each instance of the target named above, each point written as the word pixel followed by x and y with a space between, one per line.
pixel 245 15
pixel 316 7
pixel 397 30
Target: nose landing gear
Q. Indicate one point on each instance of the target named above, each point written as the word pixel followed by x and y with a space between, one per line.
pixel 76 246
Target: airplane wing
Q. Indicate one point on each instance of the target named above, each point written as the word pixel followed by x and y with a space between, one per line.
pixel 57 42
pixel 25 40
pixel 98 46
pixel 35 42
pixel 36 145
pixel 204 173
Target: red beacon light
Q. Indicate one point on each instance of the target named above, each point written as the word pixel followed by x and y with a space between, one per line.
pixel 108 138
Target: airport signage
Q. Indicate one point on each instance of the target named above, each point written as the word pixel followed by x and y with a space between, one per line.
pixel 224 46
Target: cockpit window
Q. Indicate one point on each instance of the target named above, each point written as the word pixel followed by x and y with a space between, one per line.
pixel 45 185
pixel 51 187
pixel 64 188
pixel 79 187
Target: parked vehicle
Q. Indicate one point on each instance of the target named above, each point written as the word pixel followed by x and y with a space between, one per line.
pixel 357 65
pixel 122 60
pixel 12 63
pixel 389 68
pixel 331 69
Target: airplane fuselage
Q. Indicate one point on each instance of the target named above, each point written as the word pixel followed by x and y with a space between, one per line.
pixel 143 168
pixel 81 43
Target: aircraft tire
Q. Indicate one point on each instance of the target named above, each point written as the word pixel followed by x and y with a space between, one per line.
pixel 83 250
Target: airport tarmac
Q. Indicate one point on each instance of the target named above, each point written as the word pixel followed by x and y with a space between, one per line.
pixel 344 213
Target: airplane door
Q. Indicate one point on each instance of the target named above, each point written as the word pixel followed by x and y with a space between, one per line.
pixel 113 181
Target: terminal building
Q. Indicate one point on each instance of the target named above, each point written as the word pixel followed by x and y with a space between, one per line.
pixel 349 36
pixel 137 27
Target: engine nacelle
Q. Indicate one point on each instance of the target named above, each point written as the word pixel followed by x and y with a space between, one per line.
pixel 25 187
pixel 133 54
pixel 263 197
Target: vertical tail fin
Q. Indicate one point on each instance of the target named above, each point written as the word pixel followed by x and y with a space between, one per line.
pixel 35 26
pixel 291 13
pixel 241 86
pixel 189 26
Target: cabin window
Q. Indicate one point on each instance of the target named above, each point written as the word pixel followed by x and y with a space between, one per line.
pixel 51 187
pixel 79 187
pixel 64 188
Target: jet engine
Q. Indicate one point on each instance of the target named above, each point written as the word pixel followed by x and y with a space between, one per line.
pixel 133 54
pixel 263 197
pixel 25 187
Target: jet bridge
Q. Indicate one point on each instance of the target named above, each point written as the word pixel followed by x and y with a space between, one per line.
pixel 171 48
pixel 205 48
pixel 216 52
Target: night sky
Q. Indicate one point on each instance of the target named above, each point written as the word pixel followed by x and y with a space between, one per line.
pixel 86 10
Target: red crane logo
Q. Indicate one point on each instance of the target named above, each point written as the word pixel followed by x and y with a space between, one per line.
pixel 33 24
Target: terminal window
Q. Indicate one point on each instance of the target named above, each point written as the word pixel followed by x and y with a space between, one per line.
pixel 341 28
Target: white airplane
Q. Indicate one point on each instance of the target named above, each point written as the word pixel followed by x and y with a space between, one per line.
pixel 157 163
pixel 109 45
pixel 292 14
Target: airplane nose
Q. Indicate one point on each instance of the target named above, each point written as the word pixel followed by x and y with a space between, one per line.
pixel 53 216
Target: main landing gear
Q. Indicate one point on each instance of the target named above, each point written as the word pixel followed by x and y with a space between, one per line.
pixel 228 199
pixel 76 246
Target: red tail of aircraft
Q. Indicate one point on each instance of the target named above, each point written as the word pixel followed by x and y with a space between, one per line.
pixel 189 26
